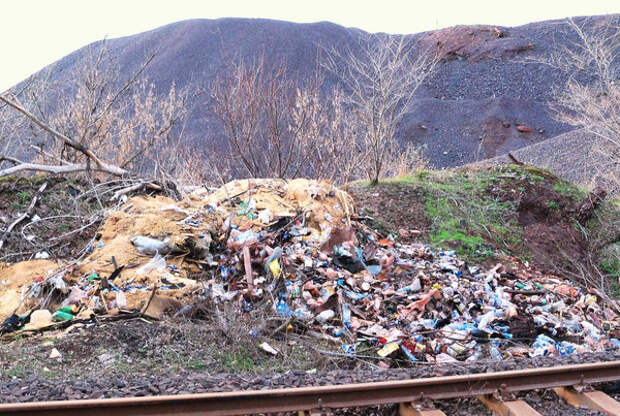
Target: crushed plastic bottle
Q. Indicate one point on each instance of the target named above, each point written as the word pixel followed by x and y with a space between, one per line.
pixel 282 308
pixel 346 315
pixel 494 350
pixel 543 346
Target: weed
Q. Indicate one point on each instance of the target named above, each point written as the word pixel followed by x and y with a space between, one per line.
pixel 464 212
pixel 552 205
pixel 611 267
pixel 24 197
pixel 237 361
pixel 536 178
pixel 197 365
pixel 568 189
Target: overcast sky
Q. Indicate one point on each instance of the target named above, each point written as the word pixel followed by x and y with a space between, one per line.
pixel 37 33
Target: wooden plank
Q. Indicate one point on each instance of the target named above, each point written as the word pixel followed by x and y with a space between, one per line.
pixel 510 408
pixel 406 409
pixel 595 400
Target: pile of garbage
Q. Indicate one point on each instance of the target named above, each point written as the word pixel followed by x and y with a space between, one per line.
pixel 297 251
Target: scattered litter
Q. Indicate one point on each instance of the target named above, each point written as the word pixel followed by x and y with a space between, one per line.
pixel 39 319
pixel 269 348
pixel 293 249
pixel 147 245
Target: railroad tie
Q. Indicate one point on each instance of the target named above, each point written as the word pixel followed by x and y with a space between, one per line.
pixel 407 409
pixel 596 400
pixel 315 412
pixel 510 408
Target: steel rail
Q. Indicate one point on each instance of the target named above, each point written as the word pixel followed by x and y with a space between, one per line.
pixel 333 396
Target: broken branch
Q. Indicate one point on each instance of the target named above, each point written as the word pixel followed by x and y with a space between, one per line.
pixel 101 165
pixel 24 215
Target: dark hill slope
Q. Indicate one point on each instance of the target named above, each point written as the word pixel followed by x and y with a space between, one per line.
pixel 480 92
pixel 574 156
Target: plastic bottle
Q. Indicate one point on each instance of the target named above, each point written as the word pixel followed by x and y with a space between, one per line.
pixel 475 355
pixel 408 353
pixel 326 315
pixel 346 315
pixel 456 349
pixel 494 350
pixel 59 316
pixel 283 309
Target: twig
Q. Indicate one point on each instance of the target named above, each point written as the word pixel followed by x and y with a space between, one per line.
pixel 143 311
pixel 525 292
pixel 280 328
pixel 135 187
pixel 514 159
pixel 356 356
pixel 24 215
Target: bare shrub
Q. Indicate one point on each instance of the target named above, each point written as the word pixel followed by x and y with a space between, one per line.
pixel 407 162
pixel 380 79
pixel 591 97
pixel 275 128
pixel 108 122
pixel 13 125
pixel 120 118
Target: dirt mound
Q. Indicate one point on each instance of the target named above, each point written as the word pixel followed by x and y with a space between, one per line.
pixel 481 71
pixel 572 156
pixel 547 219
pixel 476 42
pixel 125 265
pixel 393 207
pixel 14 278
pixel 455 132
pixel 523 212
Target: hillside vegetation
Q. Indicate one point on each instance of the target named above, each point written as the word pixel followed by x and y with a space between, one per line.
pixel 495 213
pixel 489 81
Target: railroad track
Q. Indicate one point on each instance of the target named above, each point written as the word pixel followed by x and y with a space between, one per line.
pixel 566 380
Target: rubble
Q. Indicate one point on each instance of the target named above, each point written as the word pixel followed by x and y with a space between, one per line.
pixel 294 250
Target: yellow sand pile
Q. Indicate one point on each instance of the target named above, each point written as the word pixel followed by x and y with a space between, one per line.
pixel 15 279
pixel 188 228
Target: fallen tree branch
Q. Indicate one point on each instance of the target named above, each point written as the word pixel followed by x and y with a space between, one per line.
pixel 135 187
pixel 514 159
pixel 49 168
pixel 93 220
pixel 100 165
pixel 24 215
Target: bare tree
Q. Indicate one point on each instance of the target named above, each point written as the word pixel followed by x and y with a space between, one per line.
pixel 591 97
pixel 380 79
pixel 276 125
pixel 110 123
pixel 13 124
pixel 324 120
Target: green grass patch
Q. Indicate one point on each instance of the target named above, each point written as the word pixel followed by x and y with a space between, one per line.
pixel 570 190
pixel 197 365
pixel 237 361
pixel 24 197
pixel 475 210
pixel 611 266
pixel 468 211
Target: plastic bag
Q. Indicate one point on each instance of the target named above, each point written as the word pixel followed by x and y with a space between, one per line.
pixel 157 263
